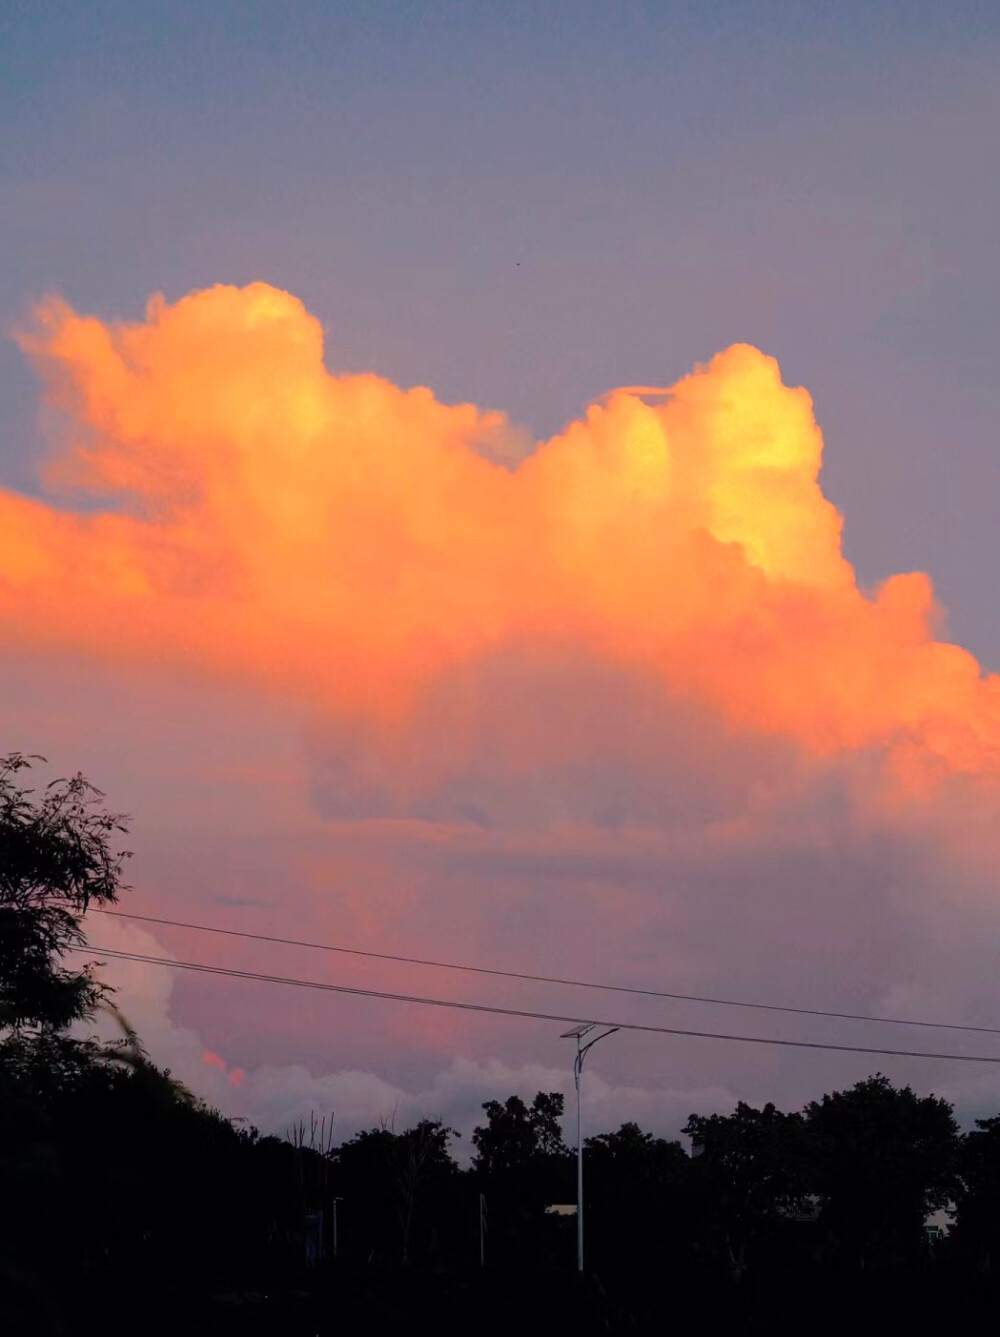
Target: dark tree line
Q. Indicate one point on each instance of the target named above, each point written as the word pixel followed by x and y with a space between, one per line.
pixel 113 1174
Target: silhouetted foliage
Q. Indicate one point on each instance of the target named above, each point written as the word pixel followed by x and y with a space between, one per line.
pixel 978 1206
pixel 522 1166
pixel 517 1136
pixel 638 1208
pixel 396 1188
pixel 115 1160
pixel 56 859
pixel 748 1178
pixel 881 1159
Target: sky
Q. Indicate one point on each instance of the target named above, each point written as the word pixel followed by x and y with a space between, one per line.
pixel 327 554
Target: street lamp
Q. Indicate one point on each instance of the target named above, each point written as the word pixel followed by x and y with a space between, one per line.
pixel 577 1034
pixel 335 1201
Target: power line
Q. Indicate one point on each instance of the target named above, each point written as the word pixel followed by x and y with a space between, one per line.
pixel 553 979
pixel 455 1004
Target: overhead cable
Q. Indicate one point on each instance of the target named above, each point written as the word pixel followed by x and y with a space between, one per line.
pixel 552 979
pixel 457 1005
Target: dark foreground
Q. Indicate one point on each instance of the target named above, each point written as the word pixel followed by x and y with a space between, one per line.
pixel 358 1304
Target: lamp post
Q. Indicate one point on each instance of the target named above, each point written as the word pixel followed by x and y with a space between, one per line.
pixel 335 1201
pixel 578 1033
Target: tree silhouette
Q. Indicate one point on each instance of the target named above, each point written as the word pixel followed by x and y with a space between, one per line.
pixel 882 1158
pixel 638 1198
pixel 517 1136
pixel 395 1188
pixel 748 1177
pixel 522 1166
pixel 978 1216
pixel 56 859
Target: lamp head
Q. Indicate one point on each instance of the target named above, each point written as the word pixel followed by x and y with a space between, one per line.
pixel 578 1032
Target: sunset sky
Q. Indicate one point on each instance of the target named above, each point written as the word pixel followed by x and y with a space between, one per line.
pixel 515 484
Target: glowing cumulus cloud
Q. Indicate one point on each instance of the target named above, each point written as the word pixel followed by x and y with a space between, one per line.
pixel 342 541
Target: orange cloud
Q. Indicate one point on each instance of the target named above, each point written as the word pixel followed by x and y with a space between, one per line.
pixel 342 541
